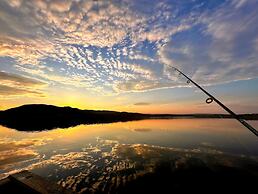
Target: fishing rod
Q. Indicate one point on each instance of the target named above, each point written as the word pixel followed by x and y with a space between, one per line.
pixel 212 98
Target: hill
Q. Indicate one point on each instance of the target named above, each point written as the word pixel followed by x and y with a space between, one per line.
pixel 39 117
pixel 36 117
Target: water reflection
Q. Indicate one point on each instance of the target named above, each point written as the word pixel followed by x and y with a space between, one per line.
pixel 142 130
pixel 108 158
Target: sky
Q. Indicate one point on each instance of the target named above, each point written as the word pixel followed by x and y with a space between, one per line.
pixel 118 54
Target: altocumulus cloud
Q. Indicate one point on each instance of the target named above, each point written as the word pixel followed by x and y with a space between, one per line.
pixel 118 46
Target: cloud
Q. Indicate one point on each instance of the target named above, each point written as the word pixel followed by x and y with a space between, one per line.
pixel 15 85
pixel 19 80
pixel 60 5
pixel 137 85
pixel 141 85
pixel 12 91
pixel 224 49
pixel 15 3
pixel 142 103
pixel 117 46
pixel 83 35
pixel 239 3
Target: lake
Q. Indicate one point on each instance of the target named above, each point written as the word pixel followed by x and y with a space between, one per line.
pixel 109 157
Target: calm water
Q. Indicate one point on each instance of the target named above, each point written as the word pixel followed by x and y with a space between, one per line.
pixel 105 156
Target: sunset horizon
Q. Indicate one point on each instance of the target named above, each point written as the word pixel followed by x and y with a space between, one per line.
pixel 86 55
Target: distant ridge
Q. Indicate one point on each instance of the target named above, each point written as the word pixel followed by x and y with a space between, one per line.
pixel 36 117
pixel 40 117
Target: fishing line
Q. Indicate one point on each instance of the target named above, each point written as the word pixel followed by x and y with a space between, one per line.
pixel 212 98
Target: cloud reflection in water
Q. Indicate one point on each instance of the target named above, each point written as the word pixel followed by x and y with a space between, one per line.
pixel 18 152
pixel 110 166
pixel 113 158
